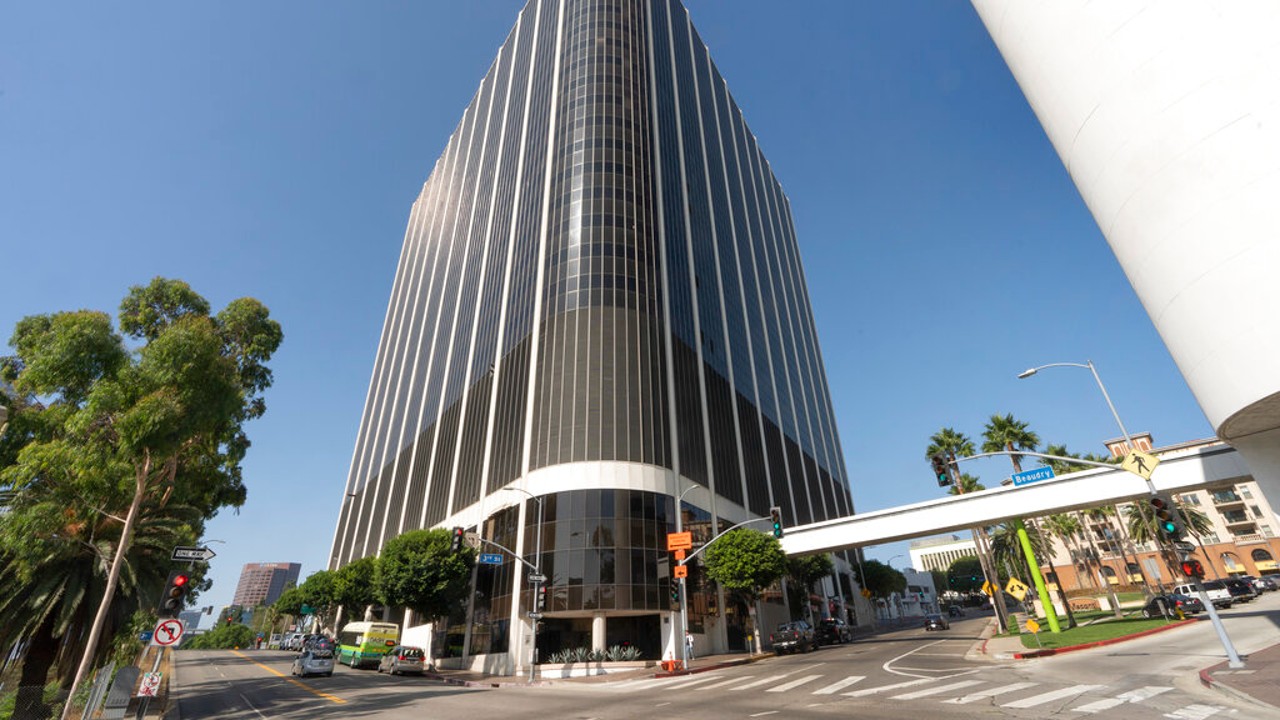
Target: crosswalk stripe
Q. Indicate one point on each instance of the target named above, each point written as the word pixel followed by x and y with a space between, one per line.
pixel 833 687
pixel 936 690
pixel 794 683
pixel 730 681
pixel 1052 695
pixel 882 688
pixel 761 681
pixel 1132 696
pixel 1194 712
pixel 683 681
pixel 991 692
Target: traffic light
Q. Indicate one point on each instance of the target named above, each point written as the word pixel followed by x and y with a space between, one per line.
pixel 1192 568
pixel 775 516
pixel 456 545
pixel 175 592
pixel 540 599
pixel 675 592
pixel 1168 519
pixel 940 471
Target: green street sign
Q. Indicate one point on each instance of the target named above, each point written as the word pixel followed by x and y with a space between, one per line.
pixel 308 610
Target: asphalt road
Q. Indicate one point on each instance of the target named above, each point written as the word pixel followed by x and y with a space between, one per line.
pixel 904 674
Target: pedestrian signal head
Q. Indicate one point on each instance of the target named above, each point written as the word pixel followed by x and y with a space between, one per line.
pixel 1192 568
pixel 775 517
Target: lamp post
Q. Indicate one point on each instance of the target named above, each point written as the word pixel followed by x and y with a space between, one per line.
pixel 1233 657
pixel 684 588
pixel 538 580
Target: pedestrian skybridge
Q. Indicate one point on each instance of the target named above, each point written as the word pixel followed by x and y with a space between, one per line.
pixel 1203 466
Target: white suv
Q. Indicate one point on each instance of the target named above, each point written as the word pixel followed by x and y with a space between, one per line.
pixel 1218 593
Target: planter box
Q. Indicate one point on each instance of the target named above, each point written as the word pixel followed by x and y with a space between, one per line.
pixel 583 669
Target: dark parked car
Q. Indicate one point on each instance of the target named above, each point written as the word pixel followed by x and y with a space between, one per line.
pixel 797 636
pixel 1166 605
pixel 955 611
pixel 834 631
pixel 1241 590
pixel 1261 585
pixel 934 621
pixel 402 660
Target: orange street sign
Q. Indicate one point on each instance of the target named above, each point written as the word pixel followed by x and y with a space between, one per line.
pixel 680 541
pixel 680 571
pixel 679 554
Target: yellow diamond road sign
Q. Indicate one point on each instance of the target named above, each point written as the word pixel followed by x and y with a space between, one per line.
pixel 1140 463
pixel 1016 588
pixel 1032 625
pixel 989 588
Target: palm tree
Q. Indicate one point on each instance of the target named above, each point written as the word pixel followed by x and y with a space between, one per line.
pixel 1063 527
pixel 1005 433
pixel 954 443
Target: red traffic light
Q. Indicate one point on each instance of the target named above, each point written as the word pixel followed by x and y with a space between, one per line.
pixel 180 580
pixel 1192 568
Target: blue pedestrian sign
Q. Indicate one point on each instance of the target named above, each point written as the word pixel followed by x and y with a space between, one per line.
pixel 490 558
pixel 1026 477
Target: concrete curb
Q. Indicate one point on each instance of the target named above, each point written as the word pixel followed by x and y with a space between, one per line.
pixel 717 666
pixel 1207 680
pixel 1099 643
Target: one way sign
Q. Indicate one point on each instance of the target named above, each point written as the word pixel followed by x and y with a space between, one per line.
pixel 202 554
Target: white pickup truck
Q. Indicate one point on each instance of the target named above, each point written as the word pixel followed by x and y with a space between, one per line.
pixel 1218 593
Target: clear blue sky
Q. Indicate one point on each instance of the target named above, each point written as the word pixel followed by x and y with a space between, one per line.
pixel 273 150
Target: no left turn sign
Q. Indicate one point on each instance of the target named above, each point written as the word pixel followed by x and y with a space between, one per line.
pixel 167 633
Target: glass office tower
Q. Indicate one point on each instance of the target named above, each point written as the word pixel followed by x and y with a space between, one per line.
pixel 599 304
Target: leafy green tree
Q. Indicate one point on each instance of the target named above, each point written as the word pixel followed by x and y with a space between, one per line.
pixel 116 438
pixel 745 562
pixel 417 570
pixel 1003 432
pixel 880 579
pixel 965 575
pixel 802 572
pixel 222 637
pixel 354 588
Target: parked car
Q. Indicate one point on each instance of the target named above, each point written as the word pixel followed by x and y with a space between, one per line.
pixel 834 631
pixel 402 660
pixel 1166 605
pixel 955 611
pixel 313 662
pixel 1217 592
pixel 934 621
pixel 797 636
pixel 1241 590
pixel 1260 584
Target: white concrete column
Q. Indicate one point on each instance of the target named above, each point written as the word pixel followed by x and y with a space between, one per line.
pixel 598 631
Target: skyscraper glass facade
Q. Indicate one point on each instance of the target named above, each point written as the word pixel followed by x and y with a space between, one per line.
pixel 599 302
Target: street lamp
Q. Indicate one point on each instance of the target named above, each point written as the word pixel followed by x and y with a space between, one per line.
pixel 538 580
pixel 684 588
pixel 1087 364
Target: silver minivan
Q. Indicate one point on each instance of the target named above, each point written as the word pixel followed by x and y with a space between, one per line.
pixel 313 661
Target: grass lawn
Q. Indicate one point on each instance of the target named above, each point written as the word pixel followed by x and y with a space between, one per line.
pixel 1090 633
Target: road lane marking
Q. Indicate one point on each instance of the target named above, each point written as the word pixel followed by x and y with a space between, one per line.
pixel 794 683
pixel 833 687
pixel 251 707
pixel 304 686
pixel 882 688
pixel 762 714
pixel 1052 695
pixel 1194 712
pixel 774 678
pixel 936 690
pixel 991 692
pixel 730 681
pixel 888 669
pixel 1132 696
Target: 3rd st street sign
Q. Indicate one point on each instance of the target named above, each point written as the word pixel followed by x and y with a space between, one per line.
pixel 192 554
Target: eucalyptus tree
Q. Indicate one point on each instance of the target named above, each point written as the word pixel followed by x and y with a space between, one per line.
pixel 124 434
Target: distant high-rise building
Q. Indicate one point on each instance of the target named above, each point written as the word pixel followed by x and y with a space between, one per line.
pixel 599 304
pixel 263 583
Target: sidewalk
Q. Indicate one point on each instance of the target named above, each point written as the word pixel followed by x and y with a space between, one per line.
pixel 1258 682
